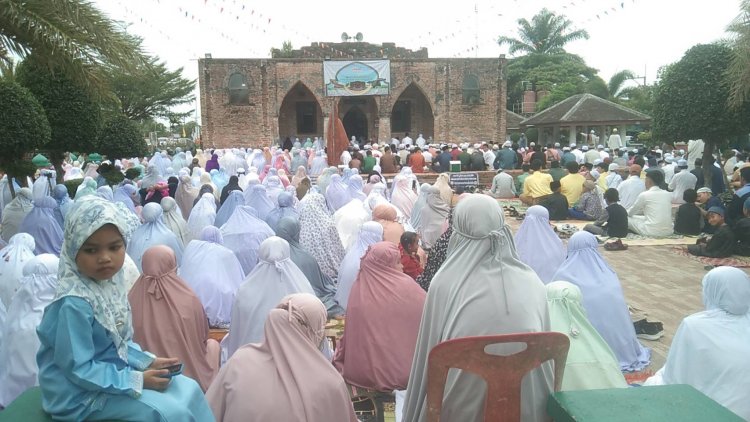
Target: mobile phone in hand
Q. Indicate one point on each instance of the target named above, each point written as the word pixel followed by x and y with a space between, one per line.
pixel 174 370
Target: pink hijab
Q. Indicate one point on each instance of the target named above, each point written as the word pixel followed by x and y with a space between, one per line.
pixel 185 196
pixel 382 322
pixel 169 320
pixel 403 197
pixel 386 215
pixel 286 378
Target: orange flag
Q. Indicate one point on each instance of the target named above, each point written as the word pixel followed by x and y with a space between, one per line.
pixel 337 140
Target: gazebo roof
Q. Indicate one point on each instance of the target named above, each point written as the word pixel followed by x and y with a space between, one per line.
pixel 585 109
pixel 513 120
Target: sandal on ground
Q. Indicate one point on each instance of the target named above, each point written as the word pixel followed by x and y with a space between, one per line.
pixel 617 245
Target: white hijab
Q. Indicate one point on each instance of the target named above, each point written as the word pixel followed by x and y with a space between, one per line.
pixel 370 233
pixel 202 215
pixel 13 257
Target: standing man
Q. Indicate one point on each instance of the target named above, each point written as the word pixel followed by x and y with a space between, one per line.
pixel 681 182
pixel 695 151
pixel 489 157
pixel 614 140
pixel 407 140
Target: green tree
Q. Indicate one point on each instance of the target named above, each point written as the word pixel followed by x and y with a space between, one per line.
pixel 8 69
pixel 149 90
pixel 547 33
pixel 70 35
pixel 121 138
pixel 616 86
pixel 73 116
pixel 286 51
pixel 691 101
pixel 23 128
pixel 739 68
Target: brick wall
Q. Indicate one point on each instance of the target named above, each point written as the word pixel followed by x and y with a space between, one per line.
pixel 434 87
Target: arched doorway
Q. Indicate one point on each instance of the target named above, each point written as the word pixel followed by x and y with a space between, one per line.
pixel 355 123
pixel 300 114
pixel 412 113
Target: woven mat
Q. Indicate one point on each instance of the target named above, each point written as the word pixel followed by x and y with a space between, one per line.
pixel 638 378
pixel 733 261
pixel 638 240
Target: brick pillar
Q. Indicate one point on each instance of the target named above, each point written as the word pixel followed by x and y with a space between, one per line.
pixel 384 128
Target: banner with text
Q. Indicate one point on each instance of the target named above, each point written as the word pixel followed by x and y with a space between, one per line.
pixel 351 78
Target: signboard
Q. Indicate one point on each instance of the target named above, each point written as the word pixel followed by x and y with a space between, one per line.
pixel 351 78
pixel 464 180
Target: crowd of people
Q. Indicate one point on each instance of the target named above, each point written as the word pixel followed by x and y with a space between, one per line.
pixel 118 287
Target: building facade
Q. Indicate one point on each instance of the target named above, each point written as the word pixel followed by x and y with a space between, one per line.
pixel 254 102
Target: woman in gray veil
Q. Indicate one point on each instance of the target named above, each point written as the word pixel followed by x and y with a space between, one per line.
pixel 482 288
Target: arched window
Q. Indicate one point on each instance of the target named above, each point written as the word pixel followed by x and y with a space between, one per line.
pixel 471 90
pixel 239 90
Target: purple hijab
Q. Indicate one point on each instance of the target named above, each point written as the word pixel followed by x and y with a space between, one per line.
pixel 213 163
pixel 42 225
pixel 537 244
pixel 603 300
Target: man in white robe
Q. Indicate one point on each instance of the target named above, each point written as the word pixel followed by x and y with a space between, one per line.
pixel 420 141
pixel 669 168
pixel 694 150
pixel 681 182
pixel 631 187
pixel 651 215
pixel 614 140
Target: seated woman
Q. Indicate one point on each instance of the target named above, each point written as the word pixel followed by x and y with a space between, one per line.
pixel 18 368
pixel 274 277
pixel 537 244
pixel 89 367
pixel 161 295
pixel 152 232
pixel 603 300
pixel 291 380
pixel 13 257
pixel 710 349
pixel 482 288
pixel 214 273
pixel 243 233
pixel 382 322
pixel 591 363
pixel 371 232
pixel 43 226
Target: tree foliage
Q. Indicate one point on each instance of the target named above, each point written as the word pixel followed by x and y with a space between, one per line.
pixel 547 33
pixel 149 90
pixel 559 74
pixel 286 50
pixel 739 68
pixel 616 86
pixel 73 116
pixel 691 99
pixel 69 35
pixel 121 138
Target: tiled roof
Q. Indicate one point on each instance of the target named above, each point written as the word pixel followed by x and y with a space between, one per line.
pixel 585 109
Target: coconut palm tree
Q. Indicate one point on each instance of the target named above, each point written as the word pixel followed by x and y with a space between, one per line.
pixel 616 82
pixel 739 69
pixel 72 36
pixel 547 33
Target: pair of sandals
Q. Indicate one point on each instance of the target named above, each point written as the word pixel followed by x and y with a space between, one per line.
pixel 513 212
pixel 615 245
pixel 566 231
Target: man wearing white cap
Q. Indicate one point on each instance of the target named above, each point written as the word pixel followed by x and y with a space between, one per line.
pixel 590 155
pixel 506 158
pixel 407 140
pixel 420 141
pixel 614 140
pixel 578 153
pixel 669 168
pixel 682 181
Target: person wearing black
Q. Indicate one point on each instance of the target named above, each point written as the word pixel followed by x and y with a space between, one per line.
pixel 735 208
pixel 742 232
pixel 698 172
pixel 717 177
pixel 614 221
pixel 287 145
pixel 477 160
pixel 689 218
pixel 722 244
pixel 557 203
pixel 539 155
pixel 234 184
pixel 172 183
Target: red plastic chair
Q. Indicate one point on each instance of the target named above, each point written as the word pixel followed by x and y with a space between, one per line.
pixel 503 374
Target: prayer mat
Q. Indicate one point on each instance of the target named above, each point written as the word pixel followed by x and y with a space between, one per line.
pixel 637 240
pixel 638 377
pixel 732 261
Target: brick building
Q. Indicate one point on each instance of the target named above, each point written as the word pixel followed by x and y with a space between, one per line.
pixel 252 102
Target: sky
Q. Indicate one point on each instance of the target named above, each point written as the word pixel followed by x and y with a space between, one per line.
pixel 639 35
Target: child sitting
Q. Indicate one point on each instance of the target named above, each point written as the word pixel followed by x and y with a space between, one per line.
pixel 689 218
pixel 721 244
pixel 557 203
pixel 614 221
pixel 409 248
pixel 89 367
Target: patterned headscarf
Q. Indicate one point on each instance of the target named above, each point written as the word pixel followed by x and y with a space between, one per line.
pixel 318 234
pixel 108 298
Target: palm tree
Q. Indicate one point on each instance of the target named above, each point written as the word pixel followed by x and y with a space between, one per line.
pixel 547 33
pixel 739 69
pixel 616 82
pixel 70 35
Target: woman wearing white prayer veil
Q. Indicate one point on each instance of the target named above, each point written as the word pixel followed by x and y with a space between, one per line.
pixel 257 198
pixel 319 163
pixel 185 196
pixel 235 199
pixel 285 209
pixel 416 211
pixel 337 194
pixel 443 184
pixel 710 349
pixel 434 214
pixel 403 196
pixel 214 273
pixel 318 234
pixel 202 215
pixel 537 244
pixel 15 212
pixel 274 188
pixel 18 368
pixel 13 257
pixel 151 177
pixel 243 233
pixel 481 289
pixel 348 219
pixel 153 232
pixel 173 220
pixel 274 277
pixel 370 233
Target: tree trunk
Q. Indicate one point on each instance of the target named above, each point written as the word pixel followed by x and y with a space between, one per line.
pixel 57 157
pixel 10 185
pixel 708 150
